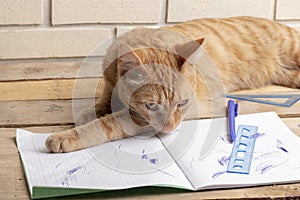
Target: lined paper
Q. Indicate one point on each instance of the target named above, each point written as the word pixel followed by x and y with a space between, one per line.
pixel 276 157
pixel 171 160
pixel 132 162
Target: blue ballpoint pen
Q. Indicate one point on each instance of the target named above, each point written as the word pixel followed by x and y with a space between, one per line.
pixel 232 109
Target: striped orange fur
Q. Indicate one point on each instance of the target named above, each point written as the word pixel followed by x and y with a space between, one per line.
pixel 155 76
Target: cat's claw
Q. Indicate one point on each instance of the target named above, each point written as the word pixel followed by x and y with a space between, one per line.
pixel 63 142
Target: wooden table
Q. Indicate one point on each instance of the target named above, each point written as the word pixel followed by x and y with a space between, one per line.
pixel 38 97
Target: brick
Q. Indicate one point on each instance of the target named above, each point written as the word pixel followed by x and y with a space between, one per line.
pixel 124 29
pixel 288 9
pixel 53 43
pixel 182 10
pixel 21 12
pixel 105 11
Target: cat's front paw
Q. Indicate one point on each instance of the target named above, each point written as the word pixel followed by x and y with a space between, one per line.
pixel 65 141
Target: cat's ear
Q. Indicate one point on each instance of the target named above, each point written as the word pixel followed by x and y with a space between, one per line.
pixel 127 59
pixel 187 49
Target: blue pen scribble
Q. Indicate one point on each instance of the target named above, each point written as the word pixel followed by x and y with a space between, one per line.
pixel 270 160
pixel 224 160
pixel 215 175
pixel 144 155
pixel 71 175
pixel 278 142
pixel 65 182
pixel 70 172
pixel 153 160
pixel 283 149
pixel 257 135
pixel 279 145
pixel 222 138
pixel 266 168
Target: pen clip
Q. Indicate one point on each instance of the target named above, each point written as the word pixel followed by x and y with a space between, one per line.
pixel 236 109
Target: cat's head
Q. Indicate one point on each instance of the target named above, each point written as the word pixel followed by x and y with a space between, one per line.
pixel 154 85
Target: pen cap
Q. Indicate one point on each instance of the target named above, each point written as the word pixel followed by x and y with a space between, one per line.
pixel 233 107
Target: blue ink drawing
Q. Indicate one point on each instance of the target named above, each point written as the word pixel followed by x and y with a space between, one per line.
pixel 257 135
pixel 72 171
pixel 215 175
pixel 153 160
pixel 266 168
pixel 71 175
pixel 270 160
pixel 279 145
pixel 145 157
pixel 283 149
pixel 224 160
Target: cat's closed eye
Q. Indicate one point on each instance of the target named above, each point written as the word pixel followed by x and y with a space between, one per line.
pixel 183 103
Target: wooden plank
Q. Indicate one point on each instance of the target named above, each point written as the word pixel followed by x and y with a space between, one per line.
pixel 50 89
pixel 293 124
pixel 50 70
pixel 27 103
pixel 24 113
pixel 12 179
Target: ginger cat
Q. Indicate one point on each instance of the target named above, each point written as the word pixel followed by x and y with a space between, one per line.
pixel 153 77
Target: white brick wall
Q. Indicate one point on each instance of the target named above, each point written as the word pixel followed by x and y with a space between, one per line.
pixel 288 10
pixel 182 10
pixel 33 29
pixel 105 11
pixel 51 43
pixel 21 12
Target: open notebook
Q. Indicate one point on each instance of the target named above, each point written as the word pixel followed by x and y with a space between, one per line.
pixel 174 160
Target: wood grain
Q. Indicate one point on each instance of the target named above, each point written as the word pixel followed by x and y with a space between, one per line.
pixel 50 89
pixel 48 102
pixel 50 70
pixel 293 124
pixel 24 113
pixel 53 112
